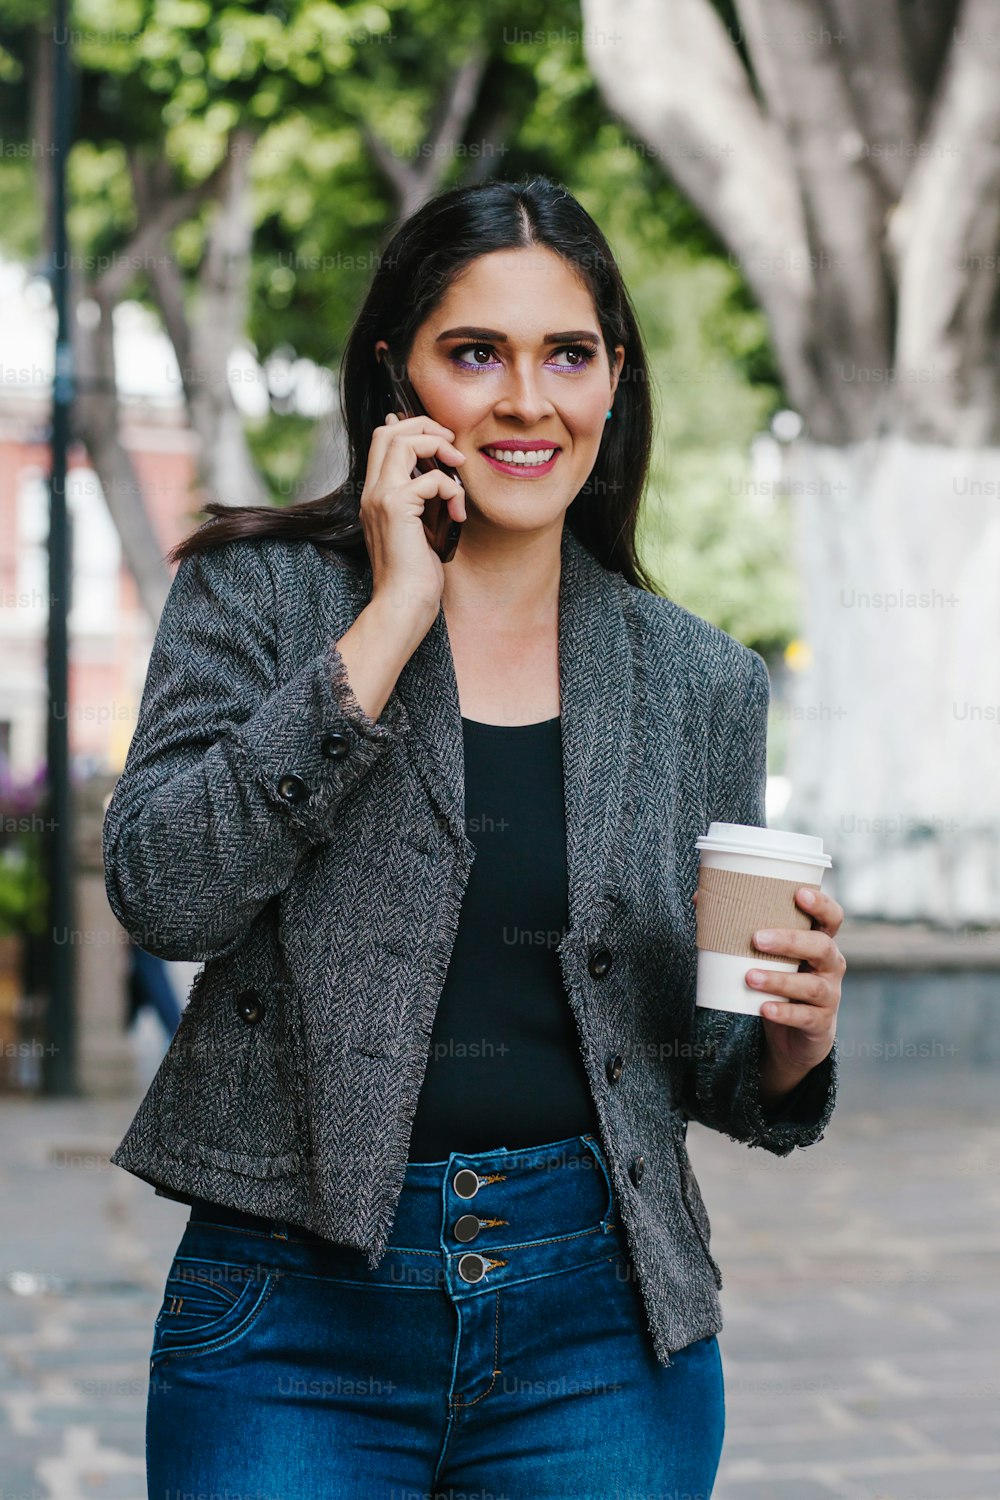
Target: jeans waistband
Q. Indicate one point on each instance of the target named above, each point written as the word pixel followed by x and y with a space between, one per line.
pixel 481 1217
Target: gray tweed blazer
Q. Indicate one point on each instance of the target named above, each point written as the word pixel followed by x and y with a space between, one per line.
pixel 315 861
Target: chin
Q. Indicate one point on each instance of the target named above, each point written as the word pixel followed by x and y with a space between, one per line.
pixel 525 525
pixel 528 515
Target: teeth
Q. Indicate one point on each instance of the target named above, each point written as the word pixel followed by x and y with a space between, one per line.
pixel 519 456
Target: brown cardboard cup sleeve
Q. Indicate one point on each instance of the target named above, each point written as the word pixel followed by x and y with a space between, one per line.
pixel 732 906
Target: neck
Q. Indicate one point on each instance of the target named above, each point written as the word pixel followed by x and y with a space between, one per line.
pixel 504 577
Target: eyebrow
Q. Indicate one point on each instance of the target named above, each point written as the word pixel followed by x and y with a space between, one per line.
pixel 495 337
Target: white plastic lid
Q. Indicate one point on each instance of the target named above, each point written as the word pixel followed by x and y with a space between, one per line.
pixel 779 843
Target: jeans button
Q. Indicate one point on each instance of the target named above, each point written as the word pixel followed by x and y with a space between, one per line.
pixel 466 1183
pixel 467 1227
pixel 471 1267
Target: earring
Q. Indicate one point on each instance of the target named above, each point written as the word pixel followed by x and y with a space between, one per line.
pixel 607 416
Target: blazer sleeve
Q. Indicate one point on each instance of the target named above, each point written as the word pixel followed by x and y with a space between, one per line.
pixel 197 836
pixel 722 1077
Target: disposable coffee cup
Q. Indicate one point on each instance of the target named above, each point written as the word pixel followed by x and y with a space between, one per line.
pixel 747 881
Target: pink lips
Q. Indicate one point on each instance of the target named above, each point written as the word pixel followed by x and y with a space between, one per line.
pixel 521 471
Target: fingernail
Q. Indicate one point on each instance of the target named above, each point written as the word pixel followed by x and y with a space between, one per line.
pixel 807 896
pixel 755 976
pixel 763 937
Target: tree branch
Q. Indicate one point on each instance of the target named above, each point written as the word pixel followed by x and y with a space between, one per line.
pixel 226 468
pixel 794 59
pixel 872 43
pixel 926 37
pixel 162 271
pixel 395 169
pixel 145 244
pixel 96 421
pixel 946 235
pixel 415 184
pixel 673 75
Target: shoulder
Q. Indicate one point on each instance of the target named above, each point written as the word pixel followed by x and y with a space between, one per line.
pixel 714 659
pixel 260 565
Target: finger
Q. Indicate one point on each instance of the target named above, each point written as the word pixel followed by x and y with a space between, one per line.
pixel 826 913
pixel 435 482
pixel 402 450
pixel 787 1013
pixel 422 423
pixel 806 988
pixel 810 944
pixel 384 436
pixel 423 442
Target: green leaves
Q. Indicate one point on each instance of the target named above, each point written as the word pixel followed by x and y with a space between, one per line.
pixel 308 87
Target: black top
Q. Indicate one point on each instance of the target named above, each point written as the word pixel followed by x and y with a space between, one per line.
pixel 505 1067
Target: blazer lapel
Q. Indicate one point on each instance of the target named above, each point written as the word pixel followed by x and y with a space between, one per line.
pixel 597 689
pixel 597 684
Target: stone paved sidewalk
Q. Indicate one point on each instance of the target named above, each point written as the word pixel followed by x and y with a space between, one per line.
pixel 861 1298
pixel 862 1295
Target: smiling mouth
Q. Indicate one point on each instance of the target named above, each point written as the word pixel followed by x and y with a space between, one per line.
pixel 521 458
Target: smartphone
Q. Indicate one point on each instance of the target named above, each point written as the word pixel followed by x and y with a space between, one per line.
pixel 442 531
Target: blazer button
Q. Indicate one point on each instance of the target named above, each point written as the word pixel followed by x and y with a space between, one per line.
pixel 600 962
pixel 336 746
pixel 293 789
pixel 637 1169
pixel 249 1007
pixel 615 1066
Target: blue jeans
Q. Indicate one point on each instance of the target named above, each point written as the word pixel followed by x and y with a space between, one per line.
pixel 499 1350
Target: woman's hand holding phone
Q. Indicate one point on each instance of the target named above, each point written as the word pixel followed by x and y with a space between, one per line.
pixel 407 575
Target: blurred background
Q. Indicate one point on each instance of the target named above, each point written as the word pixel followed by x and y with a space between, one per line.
pixel 804 196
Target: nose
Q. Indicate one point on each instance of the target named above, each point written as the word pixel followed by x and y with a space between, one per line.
pixel 522 396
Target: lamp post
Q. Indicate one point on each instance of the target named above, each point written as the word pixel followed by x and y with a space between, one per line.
pixel 59 1065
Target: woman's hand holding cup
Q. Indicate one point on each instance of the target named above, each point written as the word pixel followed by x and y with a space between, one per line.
pixel 762 898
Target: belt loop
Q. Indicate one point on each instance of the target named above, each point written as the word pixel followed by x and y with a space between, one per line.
pixel 279 1229
pixel 608 1221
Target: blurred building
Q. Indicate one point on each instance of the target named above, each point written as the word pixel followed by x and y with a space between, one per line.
pixel 110 634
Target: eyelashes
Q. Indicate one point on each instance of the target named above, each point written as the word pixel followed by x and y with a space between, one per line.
pixel 587 351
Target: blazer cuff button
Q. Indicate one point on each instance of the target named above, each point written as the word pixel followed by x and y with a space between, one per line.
pixel 249 1007
pixel 600 963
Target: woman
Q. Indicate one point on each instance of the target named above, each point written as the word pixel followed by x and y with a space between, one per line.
pixel 431 828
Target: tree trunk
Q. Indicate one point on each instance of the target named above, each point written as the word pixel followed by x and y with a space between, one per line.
pixel 895 725
pixel 96 423
pixel 227 471
pixel 852 166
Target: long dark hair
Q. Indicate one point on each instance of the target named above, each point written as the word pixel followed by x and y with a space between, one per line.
pixel 422 257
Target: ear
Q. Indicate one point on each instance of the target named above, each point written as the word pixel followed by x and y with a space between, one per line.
pixel 380 348
pixel 616 368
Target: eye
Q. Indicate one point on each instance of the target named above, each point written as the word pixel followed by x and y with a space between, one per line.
pixel 470 363
pixel 584 354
